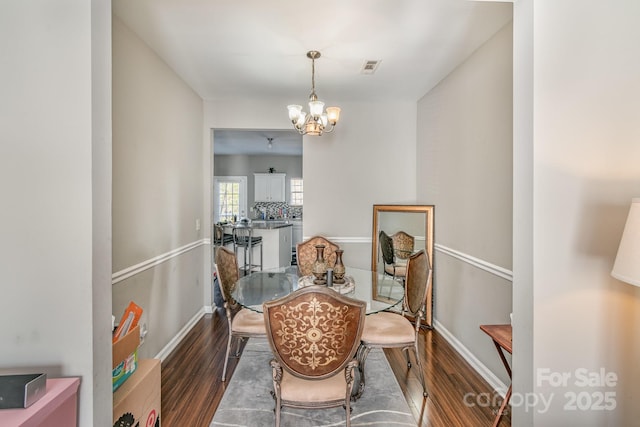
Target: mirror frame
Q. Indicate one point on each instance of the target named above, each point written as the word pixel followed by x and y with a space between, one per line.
pixel 428 210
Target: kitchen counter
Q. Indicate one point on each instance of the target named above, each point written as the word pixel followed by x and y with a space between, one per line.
pixel 276 242
pixel 269 224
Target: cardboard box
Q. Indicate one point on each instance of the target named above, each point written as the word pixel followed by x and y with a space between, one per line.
pixel 125 357
pixel 137 402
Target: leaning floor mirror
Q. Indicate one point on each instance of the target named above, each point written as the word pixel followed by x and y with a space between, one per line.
pixel 399 231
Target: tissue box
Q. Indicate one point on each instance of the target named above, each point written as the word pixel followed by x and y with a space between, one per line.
pixel 125 357
pixel 20 391
pixel 137 402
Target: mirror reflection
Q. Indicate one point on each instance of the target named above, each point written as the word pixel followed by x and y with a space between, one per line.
pixel 398 232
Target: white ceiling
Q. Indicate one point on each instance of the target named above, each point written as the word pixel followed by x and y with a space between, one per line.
pixel 257 48
pixel 254 142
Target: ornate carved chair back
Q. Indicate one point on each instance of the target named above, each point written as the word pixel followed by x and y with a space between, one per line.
pixel 403 244
pixel 314 332
pixel 306 253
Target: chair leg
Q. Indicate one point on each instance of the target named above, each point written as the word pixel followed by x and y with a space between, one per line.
pixel 226 357
pixel 240 341
pixel 420 370
pixel 348 413
pixel 405 350
pixel 277 409
pixel 361 356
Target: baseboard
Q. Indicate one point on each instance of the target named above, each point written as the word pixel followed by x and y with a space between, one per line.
pixel 175 341
pixel 475 363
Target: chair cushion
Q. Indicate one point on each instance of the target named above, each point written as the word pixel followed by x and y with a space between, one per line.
pixel 248 321
pixel 296 389
pixel 387 329
pixel 400 270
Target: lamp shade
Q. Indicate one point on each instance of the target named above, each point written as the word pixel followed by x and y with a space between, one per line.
pixel 627 264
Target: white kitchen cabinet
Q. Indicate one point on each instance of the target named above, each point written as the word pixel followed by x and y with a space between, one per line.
pixel 269 187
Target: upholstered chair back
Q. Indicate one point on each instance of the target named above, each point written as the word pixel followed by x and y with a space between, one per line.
pixel 403 244
pixel 228 274
pixel 315 331
pixel 306 253
pixel 386 247
pixel 417 282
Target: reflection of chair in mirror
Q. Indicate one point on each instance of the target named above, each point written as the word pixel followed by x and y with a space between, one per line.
pixel 387 330
pixel 403 245
pixel 306 253
pixel 314 334
pixel 242 324
pixel 391 267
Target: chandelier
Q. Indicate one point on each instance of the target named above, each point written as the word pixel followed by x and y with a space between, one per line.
pixel 316 121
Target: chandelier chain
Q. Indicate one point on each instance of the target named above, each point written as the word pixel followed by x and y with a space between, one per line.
pixel 313 77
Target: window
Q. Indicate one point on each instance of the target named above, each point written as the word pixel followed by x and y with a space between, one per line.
pixel 296 191
pixel 230 198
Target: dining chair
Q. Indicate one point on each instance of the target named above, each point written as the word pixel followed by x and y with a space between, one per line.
pixel 243 323
pixel 314 334
pixel 391 267
pixel 394 330
pixel 403 245
pixel 306 253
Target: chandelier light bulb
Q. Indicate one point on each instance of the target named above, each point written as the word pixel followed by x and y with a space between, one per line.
pixel 294 112
pixel 333 114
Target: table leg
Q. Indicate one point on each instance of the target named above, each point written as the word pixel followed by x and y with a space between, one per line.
pixel 501 410
pixel 507 396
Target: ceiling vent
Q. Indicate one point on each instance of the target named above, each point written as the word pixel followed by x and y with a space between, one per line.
pixel 370 66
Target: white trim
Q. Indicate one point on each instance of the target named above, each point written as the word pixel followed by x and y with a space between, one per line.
pixel 346 239
pixel 242 194
pixel 475 363
pixel 175 341
pixel 481 264
pixel 121 275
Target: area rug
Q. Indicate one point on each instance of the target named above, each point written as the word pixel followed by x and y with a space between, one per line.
pixel 247 402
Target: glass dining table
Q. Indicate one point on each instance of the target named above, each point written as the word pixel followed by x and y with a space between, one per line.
pixel 379 291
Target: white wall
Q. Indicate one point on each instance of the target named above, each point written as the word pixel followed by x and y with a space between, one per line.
pixel 345 172
pixel 586 133
pixel 244 165
pixel 464 146
pixel 54 180
pixel 157 191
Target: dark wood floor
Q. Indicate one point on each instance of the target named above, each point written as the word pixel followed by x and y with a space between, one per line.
pixel 192 390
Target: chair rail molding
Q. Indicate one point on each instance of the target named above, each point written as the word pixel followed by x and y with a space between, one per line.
pixel 359 240
pixel 121 275
pixel 476 262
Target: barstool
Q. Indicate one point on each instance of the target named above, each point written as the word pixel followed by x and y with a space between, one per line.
pixel 243 238
pixel 220 238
